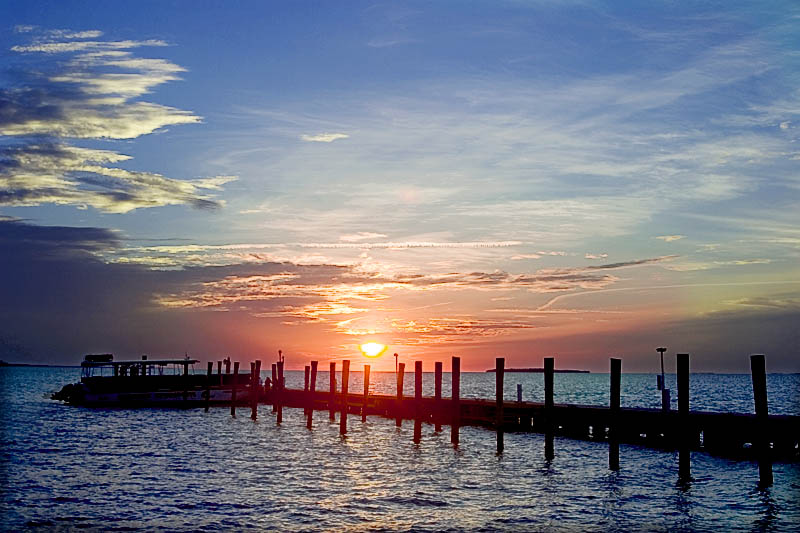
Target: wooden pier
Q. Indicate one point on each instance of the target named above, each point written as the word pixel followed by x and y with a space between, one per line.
pixel 761 437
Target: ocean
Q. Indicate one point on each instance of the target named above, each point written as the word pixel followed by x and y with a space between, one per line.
pixel 69 468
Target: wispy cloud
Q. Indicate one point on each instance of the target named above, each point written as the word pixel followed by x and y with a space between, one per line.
pixel 324 137
pixel 361 236
pixel 670 238
pixel 87 92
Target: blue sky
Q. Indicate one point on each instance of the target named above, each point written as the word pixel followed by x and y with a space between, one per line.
pixel 526 178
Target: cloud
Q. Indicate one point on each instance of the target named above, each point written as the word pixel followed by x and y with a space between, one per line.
pixel 361 236
pixel 670 238
pixel 34 174
pixel 595 256
pixel 324 137
pixel 89 94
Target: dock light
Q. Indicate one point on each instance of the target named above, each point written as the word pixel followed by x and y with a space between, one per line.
pixel 373 349
pixel 660 381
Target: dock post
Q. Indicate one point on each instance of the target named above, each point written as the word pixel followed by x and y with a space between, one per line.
pixel 613 408
pixel 252 389
pixel 759 374
pixel 208 383
pixel 519 392
pixel 331 400
pixel 417 402
pixel 281 384
pixel 227 365
pixel 219 371
pixel 366 394
pixel 312 388
pixel 345 386
pixel 401 368
pixel 256 389
pixel 305 388
pixel 233 390
pixel 274 388
pixel 500 364
pixel 455 402
pixel 437 396
pixel 549 367
pixel 684 457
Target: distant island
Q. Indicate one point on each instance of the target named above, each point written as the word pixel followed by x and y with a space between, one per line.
pixel 541 370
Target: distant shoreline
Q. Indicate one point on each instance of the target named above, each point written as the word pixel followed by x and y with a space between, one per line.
pixel 541 370
pixel 6 363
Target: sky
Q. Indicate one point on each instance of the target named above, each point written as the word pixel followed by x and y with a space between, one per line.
pixel 518 179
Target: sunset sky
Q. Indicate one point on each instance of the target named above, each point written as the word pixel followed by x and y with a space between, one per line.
pixel 521 179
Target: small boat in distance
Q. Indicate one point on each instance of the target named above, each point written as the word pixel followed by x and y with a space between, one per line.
pixel 149 383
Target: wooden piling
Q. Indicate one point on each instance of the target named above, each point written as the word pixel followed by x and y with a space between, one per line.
pixel 208 384
pixel 252 389
pixel 762 445
pixel 401 368
pixel 227 365
pixel 279 391
pixel 437 396
pixel 614 406
pixel 366 394
pixel 233 390
pixel 255 390
pixel 305 387
pixel 312 388
pixel 345 386
pixel 455 401
pixel 500 364
pixel 549 366
pixel 684 458
pixel 274 387
pixel 417 402
pixel 331 401
pixel 219 371
pixel 519 392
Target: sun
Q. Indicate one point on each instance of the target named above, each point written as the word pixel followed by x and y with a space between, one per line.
pixel 373 349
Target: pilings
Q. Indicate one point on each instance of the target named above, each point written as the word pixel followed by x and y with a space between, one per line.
pixel 613 407
pixel 761 444
pixel 500 364
pixel 255 386
pixel 417 401
pixel 549 423
pixel 773 437
pixel 437 396
pixel 208 384
pixel 455 400
pixel 279 392
pixel 345 385
pixel 332 398
pixel 401 368
pixel 312 387
pixel 366 394
pixel 275 387
pixel 233 389
pixel 684 454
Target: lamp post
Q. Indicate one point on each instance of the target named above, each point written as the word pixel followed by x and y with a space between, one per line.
pixel 660 380
pixel 395 363
pixel 662 385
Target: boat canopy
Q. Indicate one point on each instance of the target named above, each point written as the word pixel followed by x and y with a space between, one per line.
pixel 95 365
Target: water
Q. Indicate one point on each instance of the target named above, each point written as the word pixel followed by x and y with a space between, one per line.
pixel 158 469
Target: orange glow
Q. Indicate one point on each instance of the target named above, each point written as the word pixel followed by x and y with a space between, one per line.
pixel 373 349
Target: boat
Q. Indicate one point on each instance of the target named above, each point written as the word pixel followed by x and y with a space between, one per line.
pixel 151 383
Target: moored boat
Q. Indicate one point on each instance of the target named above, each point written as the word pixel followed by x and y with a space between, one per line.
pixel 150 382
